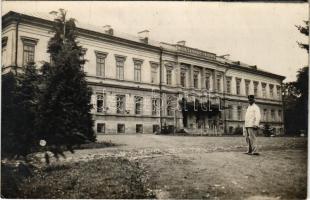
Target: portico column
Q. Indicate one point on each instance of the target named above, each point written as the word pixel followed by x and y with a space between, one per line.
pixel 203 78
pixel 214 80
pixel 163 76
pixel 191 74
pixel 178 74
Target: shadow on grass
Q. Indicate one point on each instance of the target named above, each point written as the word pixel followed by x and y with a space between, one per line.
pixel 96 145
pixel 107 178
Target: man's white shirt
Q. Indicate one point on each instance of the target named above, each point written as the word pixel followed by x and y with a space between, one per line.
pixel 252 116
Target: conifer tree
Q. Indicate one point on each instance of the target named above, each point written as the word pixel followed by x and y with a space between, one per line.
pixel 64 111
pixel 20 92
pixel 8 90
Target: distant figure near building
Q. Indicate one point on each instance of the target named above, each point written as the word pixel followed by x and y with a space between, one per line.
pixel 252 119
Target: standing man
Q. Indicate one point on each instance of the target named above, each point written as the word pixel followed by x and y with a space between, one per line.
pixel 252 118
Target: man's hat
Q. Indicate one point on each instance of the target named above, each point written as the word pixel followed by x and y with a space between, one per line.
pixel 251 96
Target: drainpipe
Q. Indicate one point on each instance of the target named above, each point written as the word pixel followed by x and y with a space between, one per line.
pixel 224 98
pixel 283 109
pixel 16 42
pixel 160 88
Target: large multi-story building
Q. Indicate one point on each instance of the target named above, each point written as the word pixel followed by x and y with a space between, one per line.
pixel 140 85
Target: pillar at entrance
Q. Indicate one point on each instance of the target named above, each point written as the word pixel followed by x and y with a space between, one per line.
pixel 214 80
pixel 191 74
pixel 203 78
pixel 178 74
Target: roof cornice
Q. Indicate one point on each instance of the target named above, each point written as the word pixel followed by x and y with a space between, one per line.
pixel 12 16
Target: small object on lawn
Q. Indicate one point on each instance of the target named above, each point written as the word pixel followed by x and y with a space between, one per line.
pixel 302 135
pixel 42 143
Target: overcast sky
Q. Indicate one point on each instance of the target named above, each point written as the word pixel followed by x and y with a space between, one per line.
pixel 261 34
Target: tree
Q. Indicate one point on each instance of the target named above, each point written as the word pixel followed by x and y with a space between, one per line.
pixel 64 111
pixel 20 94
pixel 8 113
pixel 304 30
pixel 295 95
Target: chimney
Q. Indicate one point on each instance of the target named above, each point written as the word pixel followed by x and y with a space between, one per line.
pixel 181 43
pixel 108 29
pixel 237 62
pixel 254 66
pixel 144 36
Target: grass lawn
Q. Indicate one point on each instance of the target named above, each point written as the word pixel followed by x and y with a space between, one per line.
pixel 103 178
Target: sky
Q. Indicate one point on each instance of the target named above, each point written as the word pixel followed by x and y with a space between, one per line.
pixel 262 34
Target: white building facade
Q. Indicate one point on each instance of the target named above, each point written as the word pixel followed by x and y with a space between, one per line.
pixel 141 86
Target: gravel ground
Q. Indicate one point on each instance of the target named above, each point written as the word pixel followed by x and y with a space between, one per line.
pixel 191 167
pixel 216 168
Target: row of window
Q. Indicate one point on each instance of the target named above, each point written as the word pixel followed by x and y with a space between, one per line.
pixel 138 108
pixel 255 87
pixel 240 114
pixel 207 81
pixel 138 105
pixel 101 128
pixel 29 52
pixel 120 62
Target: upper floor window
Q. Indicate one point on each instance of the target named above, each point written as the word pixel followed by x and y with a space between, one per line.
pixel 28 49
pixel 271 90
pixel 3 50
pixel 196 79
pixel 100 102
pixel 120 62
pixel 137 69
pixel 82 57
pixel 120 104
pixel 280 115
pixel 278 91
pixel 100 63
pixel 154 67
pixel 138 105
pixel 272 113
pixel 169 106
pixel 265 115
pixel 238 87
pixel 207 83
pixel 255 84
pixel 230 109
pixel 264 90
pixel 239 113
pixel 247 87
pixel 155 106
pixel 228 85
pixel 183 78
pixel 218 82
pixel 169 76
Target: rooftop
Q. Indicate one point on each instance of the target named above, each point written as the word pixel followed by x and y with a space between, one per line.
pixel 164 45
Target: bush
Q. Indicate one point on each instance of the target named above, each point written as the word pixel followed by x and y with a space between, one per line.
pixel 238 131
pixel 267 130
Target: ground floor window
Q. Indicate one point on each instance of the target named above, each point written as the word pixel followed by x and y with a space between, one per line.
pixel 155 128
pixel 231 129
pixel 139 128
pixel 120 128
pixel 100 128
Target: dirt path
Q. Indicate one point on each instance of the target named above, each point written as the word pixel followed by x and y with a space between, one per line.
pixel 212 167
pixel 206 167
